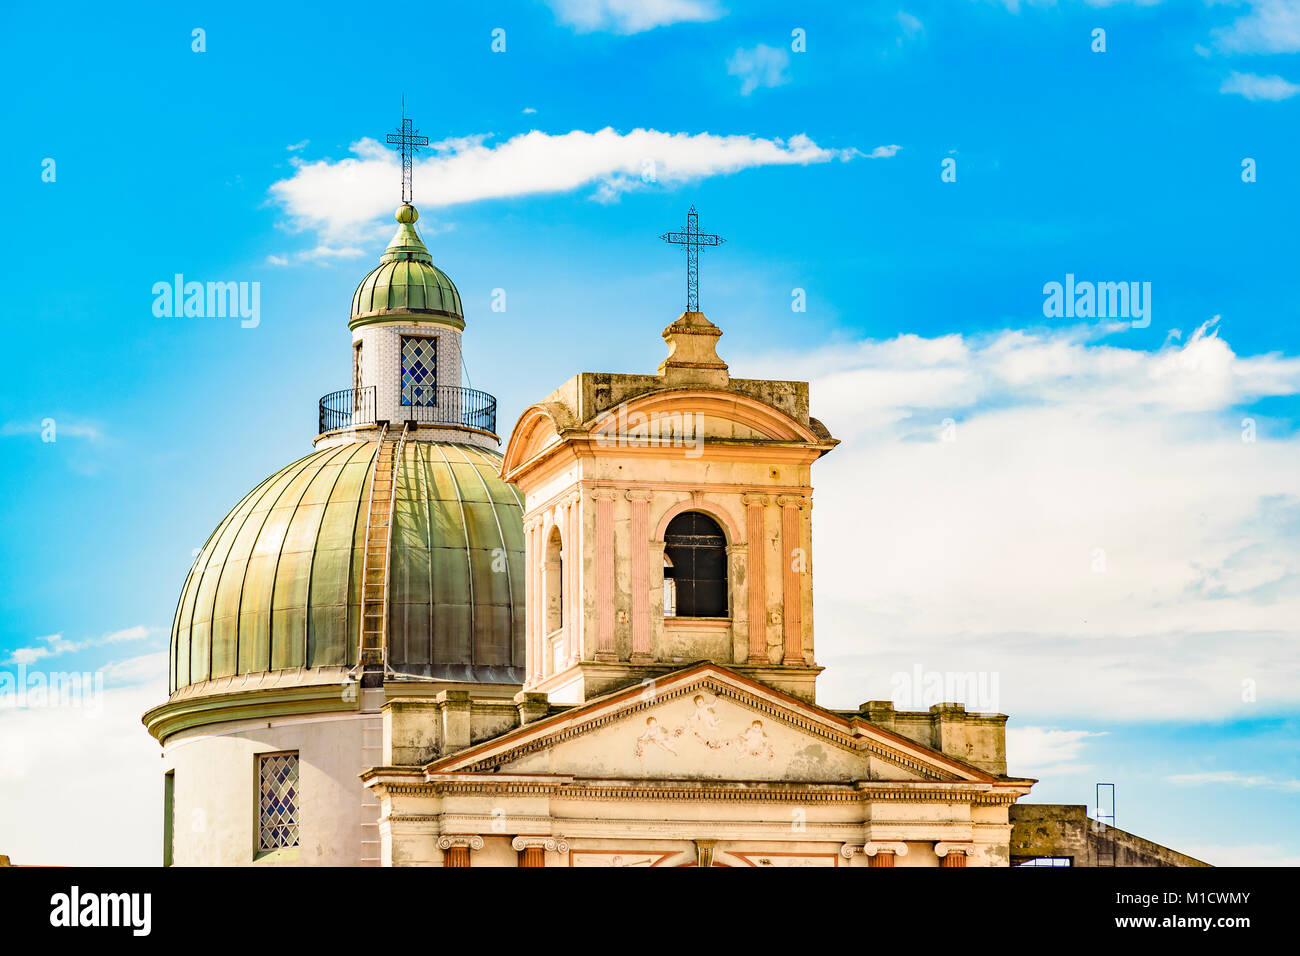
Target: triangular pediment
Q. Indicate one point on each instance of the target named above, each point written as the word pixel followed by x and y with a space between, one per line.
pixel 707 723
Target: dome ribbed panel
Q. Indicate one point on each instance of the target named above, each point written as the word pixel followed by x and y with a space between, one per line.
pixel 407 284
pixel 278 584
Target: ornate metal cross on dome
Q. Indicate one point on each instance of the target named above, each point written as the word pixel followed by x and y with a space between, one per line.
pixel 410 143
pixel 692 239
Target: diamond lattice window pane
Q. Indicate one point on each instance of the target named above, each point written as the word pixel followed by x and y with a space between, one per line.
pixel 278 802
pixel 419 370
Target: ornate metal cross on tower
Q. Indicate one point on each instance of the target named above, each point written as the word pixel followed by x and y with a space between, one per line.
pixel 692 239
pixel 410 143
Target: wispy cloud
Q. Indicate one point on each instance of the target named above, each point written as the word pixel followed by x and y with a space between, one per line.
pixel 321 253
pixel 759 66
pixel 1040 751
pixel 632 16
pixel 1039 481
pixel 339 197
pixel 1255 87
pixel 297 146
pixel 1271 26
pixel 1231 779
pixel 85 767
pixel 54 645
pixel 884 152
pixel 910 25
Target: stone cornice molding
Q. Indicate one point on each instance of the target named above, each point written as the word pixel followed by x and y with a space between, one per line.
pixel 756 792
pixel 928 768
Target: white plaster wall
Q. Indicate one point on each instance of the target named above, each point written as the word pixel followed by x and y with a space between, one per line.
pixel 216 790
pixel 381 360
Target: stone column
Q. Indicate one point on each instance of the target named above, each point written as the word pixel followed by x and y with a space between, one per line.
pixel 756 537
pixel 951 854
pixel 605 574
pixel 533 849
pixel 640 575
pixel 792 579
pixel 883 854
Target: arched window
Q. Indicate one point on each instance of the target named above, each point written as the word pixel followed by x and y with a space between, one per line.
pixel 554 582
pixel 695 557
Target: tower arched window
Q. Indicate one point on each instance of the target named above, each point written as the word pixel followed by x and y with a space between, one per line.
pixel 695 559
pixel 554 582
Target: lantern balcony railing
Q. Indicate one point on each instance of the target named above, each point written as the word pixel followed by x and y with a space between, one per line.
pixel 447 405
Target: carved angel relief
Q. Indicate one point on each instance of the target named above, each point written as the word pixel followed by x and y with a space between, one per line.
pixel 704 726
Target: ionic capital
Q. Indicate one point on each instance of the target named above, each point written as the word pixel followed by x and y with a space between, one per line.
pixel 552 844
pixel 876 846
pixel 943 849
pixel 471 840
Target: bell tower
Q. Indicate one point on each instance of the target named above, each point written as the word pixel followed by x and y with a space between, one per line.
pixel 667 520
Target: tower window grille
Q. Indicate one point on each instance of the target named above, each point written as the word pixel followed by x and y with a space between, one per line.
pixel 419 370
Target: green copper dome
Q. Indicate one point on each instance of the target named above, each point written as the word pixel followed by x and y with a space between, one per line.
pixel 406 282
pixel 278 584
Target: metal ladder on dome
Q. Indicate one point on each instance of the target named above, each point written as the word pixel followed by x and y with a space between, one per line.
pixel 374 563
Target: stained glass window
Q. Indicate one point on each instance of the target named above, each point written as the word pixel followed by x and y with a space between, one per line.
pixel 419 370
pixel 278 806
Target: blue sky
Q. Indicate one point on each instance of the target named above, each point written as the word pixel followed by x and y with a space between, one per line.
pixel 249 162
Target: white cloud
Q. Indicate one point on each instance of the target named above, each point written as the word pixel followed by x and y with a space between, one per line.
pixel 1255 854
pixel 87 780
pixel 1042 751
pixel 884 152
pixel 340 197
pixel 54 645
pixel 1255 87
pixel 1070 453
pixel 1232 779
pixel 293 148
pixel 632 16
pixel 760 66
pixel 1271 26
pixel 529 110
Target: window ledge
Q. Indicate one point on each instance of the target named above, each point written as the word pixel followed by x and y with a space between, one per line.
pixel 285 854
pixel 719 623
